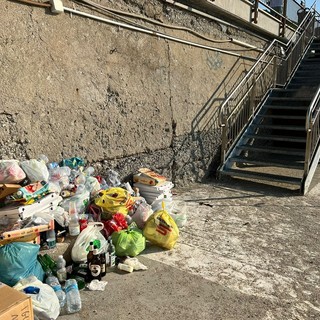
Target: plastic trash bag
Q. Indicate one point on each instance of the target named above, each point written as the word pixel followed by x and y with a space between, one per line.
pixel 128 242
pixel 18 260
pixel 179 213
pixel 161 229
pixel 60 176
pixel 45 303
pixel 117 223
pixel 91 233
pixel 93 185
pixel 73 163
pixel 81 198
pixel 11 172
pixel 35 170
pixel 141 214
pixel 115 200
pixel 112 178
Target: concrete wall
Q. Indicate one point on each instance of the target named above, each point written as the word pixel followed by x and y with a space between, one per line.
pixel 72 86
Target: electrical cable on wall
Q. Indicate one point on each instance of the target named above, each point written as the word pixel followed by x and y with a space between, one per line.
pixel 135 28
pixel 115 13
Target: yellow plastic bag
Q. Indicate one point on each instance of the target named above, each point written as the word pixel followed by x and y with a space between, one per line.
pixel 114 200
pixel 161 230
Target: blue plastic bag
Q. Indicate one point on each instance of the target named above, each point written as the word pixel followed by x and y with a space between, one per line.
pixel 18 260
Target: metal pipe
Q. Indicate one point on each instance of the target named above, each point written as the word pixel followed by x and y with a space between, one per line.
pixel 155 33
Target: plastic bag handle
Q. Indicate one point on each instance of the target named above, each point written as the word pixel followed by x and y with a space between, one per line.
pixel 96 225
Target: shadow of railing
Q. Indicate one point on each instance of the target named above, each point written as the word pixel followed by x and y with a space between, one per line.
pixel 205 129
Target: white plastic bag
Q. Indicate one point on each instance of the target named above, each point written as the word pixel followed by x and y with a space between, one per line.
pixel 81 199
pixel 10 172
pixel 141 214
pixel 45 303
pixel 91 233
pixel 35 170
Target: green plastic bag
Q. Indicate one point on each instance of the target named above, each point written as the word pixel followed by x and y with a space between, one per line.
pixel 128 242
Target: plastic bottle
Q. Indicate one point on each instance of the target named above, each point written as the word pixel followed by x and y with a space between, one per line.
pixel 74 226
pixel 89 171
pixel 62 275
pixel 72 296
pixel 61 262
pixel 51 239
pixel 61 269
pixel 53 282
pixel 111 254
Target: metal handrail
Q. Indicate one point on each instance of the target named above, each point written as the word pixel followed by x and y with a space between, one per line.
pixel 237 118
pixel 312 129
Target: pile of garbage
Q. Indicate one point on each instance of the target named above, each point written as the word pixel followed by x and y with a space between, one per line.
pixel 43 203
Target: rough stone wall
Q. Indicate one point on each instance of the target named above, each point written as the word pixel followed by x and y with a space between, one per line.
pixel 73 86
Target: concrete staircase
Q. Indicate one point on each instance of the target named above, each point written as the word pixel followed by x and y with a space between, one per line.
pixel 273 146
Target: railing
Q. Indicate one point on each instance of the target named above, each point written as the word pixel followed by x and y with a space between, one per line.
pixel 296 46
pixel 289 13
pixel 313 131
pixel 270 70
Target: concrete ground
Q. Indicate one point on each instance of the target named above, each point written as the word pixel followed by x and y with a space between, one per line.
pixel 247 252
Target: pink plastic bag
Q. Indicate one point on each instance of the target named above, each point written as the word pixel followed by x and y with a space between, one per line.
pixel 11 172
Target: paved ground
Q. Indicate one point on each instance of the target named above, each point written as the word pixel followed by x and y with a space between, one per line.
pixel 247 252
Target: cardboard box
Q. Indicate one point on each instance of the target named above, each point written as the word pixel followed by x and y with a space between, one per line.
pixel 14 305
pixel 30 238
pixel 27 231
pixel 7 189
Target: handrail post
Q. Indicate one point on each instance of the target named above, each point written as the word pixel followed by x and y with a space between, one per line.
pixel 307 153
pixel 275 70
pixel 254 11
pixel 224 140
pixel 253 95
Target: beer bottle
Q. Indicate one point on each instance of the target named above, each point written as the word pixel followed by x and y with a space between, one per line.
pixel 90 254
pixel 111 255
pixel 95 266
pixel 103 264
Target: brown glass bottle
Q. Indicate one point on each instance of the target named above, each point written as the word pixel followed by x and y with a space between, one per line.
pixel 103 264
pixel 90 254
pixel 95 265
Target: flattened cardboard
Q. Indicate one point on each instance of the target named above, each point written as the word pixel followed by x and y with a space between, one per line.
pixel 14 304
pixel 7 189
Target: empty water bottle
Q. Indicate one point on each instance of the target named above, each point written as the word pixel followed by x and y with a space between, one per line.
pixel 73 296
pixel 53 282
pixel 61 262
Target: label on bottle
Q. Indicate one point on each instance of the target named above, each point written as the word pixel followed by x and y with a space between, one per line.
pixel 95 270
pixel 112 259
pixel 103 264
pixel 74 230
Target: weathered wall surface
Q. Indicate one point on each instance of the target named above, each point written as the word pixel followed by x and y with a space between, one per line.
pixel 73 86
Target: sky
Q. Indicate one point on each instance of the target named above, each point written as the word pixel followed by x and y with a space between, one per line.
pixel 310 2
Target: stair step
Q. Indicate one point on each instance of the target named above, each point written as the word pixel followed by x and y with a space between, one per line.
pixel 284 164
pixel 310 77
pixel 279 127
pixel 269 106
pixel 276 138
pixel 306 99
pixel 308 60
pixel 262 176
pixel 271 116
pixel 308 66
pixel 277 150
